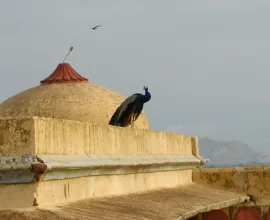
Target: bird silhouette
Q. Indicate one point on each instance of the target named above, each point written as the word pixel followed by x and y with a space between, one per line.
pixel 95 28
pixel 129 111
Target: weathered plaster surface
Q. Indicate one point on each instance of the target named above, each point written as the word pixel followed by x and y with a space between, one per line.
pixel 175 203
pixel 32 168
pixel 17 195
pixel 64 137
pixel 71 190
pixel 79 138
pixel 254 181
pixel 17 136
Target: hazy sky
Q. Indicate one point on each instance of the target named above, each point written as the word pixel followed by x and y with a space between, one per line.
pixel 206 62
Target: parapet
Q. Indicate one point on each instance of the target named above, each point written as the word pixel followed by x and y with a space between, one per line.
pixel 54 161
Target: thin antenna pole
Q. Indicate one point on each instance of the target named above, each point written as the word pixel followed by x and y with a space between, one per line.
pixel 70 49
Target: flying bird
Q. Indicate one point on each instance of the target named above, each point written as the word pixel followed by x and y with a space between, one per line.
pixel 95 28
pixel 129 111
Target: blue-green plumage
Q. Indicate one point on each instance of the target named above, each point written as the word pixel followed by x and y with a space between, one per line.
pixel 130 109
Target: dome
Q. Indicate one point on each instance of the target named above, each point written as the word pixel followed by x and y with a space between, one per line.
pixel 65 94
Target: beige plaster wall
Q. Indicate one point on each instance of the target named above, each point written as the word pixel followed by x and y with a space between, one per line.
pixel 17 136
pixel 50 193
pixel 62 191
pixel 17 195
pixel 255 181
pixel 34 135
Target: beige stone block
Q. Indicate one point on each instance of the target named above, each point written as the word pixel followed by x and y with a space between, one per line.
pixel 17 195
pixel 17 136
pixel 88 138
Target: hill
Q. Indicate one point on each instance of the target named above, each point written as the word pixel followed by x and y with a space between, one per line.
pixel 230 153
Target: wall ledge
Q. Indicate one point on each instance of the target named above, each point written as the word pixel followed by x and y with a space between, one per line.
pixel 35 168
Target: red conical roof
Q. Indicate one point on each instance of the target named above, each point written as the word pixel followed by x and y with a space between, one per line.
pixel 64 73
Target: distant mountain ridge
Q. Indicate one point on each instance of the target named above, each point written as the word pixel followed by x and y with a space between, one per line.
pixel 230 153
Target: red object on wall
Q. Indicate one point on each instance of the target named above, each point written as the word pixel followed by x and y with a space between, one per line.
pixel 216 215
pixel 247 213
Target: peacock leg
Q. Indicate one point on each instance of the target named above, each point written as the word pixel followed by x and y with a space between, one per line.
pixel 132 121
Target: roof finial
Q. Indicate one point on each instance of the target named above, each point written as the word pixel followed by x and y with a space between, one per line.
pixel 70 49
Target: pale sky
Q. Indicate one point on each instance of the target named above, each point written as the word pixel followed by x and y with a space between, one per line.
pixel 206 62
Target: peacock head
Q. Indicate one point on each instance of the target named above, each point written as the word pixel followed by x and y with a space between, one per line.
pixel 147 94
pixel 145 88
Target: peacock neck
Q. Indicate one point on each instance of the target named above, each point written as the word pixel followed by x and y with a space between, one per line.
pixel 147 96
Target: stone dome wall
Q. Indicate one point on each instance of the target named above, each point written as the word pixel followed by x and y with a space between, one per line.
pixel 68 98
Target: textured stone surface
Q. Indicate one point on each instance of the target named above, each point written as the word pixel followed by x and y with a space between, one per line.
pixel 177 203
pixel 33 215
pixel 254 181
pixel 17 136
pixel 76 189
pixel 34 135
pixel 80 138
pixel 71 190
pixel 17 195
